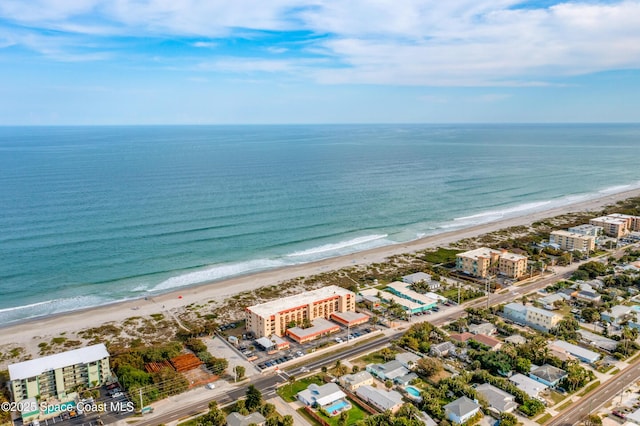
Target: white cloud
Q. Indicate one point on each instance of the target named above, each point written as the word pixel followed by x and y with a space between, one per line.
pixel 411 42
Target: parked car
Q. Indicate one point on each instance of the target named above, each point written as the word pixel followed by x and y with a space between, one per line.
pixel 117 395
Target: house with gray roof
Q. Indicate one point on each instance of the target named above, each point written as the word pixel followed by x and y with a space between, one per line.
pixel 584 355
pixel 499 400
pixel 485 328
pixel 320 395
pixel 355 380
pixel 389 370
pixel 442 349
pixel 548 375
pixel 407 359
pixel 461 410
pixel 381 399
pixel 421 277
pixel 237 419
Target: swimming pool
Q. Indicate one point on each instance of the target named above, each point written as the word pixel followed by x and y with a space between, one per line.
pixel 336 407
pixel 413 392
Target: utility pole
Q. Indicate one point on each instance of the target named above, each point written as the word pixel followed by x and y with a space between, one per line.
pixel 459 293
pixel 141 404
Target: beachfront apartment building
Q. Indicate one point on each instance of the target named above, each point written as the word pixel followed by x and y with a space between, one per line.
pixel 617 225
pixel 586 229
pixel 274 317
pixel 484 261
pixel 570 241
pixel 59 374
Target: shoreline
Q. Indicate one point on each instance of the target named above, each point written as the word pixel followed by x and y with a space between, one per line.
pixel 22 332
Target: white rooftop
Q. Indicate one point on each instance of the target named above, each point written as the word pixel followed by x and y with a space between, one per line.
pixel 35 367
pixel 403 288
pixel 576 350
pixel 482 252
pixel 390 296
pixel 527 384
pixel 512 256
pixel 608 219
pixel 571 234
pixel 416 277
pixel 302 299
pixel 542 312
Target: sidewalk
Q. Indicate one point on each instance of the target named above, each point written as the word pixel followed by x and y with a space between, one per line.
pixel 290 408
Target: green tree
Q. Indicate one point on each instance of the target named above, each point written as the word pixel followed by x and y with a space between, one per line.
pixel 343 418
pixel 254 398
pixel 508 419
pixel 429 366
pixel 522 365
pixel 287 420
pixel 590 314
pixel 239 370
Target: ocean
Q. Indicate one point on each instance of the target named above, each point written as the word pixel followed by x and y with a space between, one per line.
pixel 94 215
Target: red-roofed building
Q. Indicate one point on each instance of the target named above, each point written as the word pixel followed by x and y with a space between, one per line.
pixel 492 343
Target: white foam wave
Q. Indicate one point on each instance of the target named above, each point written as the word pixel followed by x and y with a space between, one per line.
pixel 49 307
pixel 217 272
pixel 615 189
pixel 337 247
pixel 505 212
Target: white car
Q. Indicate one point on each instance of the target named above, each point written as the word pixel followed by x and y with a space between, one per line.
pixel 211 386
pixel 117 395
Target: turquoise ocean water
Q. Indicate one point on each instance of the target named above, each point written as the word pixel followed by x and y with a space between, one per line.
pixel 93 215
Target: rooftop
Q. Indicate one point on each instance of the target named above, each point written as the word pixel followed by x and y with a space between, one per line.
pixel 298 300
pixel 385 400
pixel 417 277
pixel 403 288
pixel 512 256
pixel 323 395
pixel 237 419
pixel 35 367
pixel 461 406
pixel 540 311
pixel 359 377
pixel 497 398
pixel 350 316
pixel 576 350
pixel 482 252
pixel 320 325
pixel 527 384
pixel 486 340
pixel 549 373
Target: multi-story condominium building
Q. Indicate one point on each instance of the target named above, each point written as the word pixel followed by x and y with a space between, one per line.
pixel 569 241
pixel 537 318
pixel 633 222
pixel 512 265
pixel 273 317
pixel 616 225
pixel 484 261
pixel 587 229
pixel 59 374
pixel 542 319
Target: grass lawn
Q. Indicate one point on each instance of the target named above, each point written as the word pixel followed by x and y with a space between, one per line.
pixel 564 406
pixel 288 391
pixel 556 397
pixel 542 420
pixel 589 388
pixel 373 358
pixel 356 413
pixel 450 294
pixel 441 255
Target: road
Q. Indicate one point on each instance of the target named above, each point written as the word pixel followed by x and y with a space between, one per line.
pixel 594 400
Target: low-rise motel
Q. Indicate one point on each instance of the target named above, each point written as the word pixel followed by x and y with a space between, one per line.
pixel 483 262
pixel 273 317
pixel 54 378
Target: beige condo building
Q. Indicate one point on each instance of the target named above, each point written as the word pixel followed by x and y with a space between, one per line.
pixel 273 317
pixel 617 225
pixel 570 241
pixel 484 261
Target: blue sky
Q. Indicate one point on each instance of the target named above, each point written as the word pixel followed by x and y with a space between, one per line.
pixel 343 61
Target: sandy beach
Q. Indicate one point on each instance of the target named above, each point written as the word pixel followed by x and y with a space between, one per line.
pixel 23 334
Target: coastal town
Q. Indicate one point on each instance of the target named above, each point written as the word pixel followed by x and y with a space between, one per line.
pixel 528 329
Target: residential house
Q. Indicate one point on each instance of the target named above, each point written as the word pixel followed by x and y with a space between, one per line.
pixel 461 337
pixel 442 349
pixel 407 359
pixel 461 410
pixel 485 328
pixel 237 419
pixel 532 387
pixel 548 375
pixel 381 399
pixel 421 277
pixel 584 355
pixel 588 296
pixel 320 396
pixel 353 381
pixel 499 400
pixel 490 342
pixel 388 371
pixel 549 301
pixel 516 339
pixel 617 315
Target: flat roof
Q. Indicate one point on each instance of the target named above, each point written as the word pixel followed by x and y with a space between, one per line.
pixel 576 350
pixel 610 220
pixel 303 299
pixel 540 311
pixel 350 316
pixel 403 288
pixel 572 235
pixel 512 256
pixel 35 367
pixel 390 296
pixel 320 325
pixel 480 252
